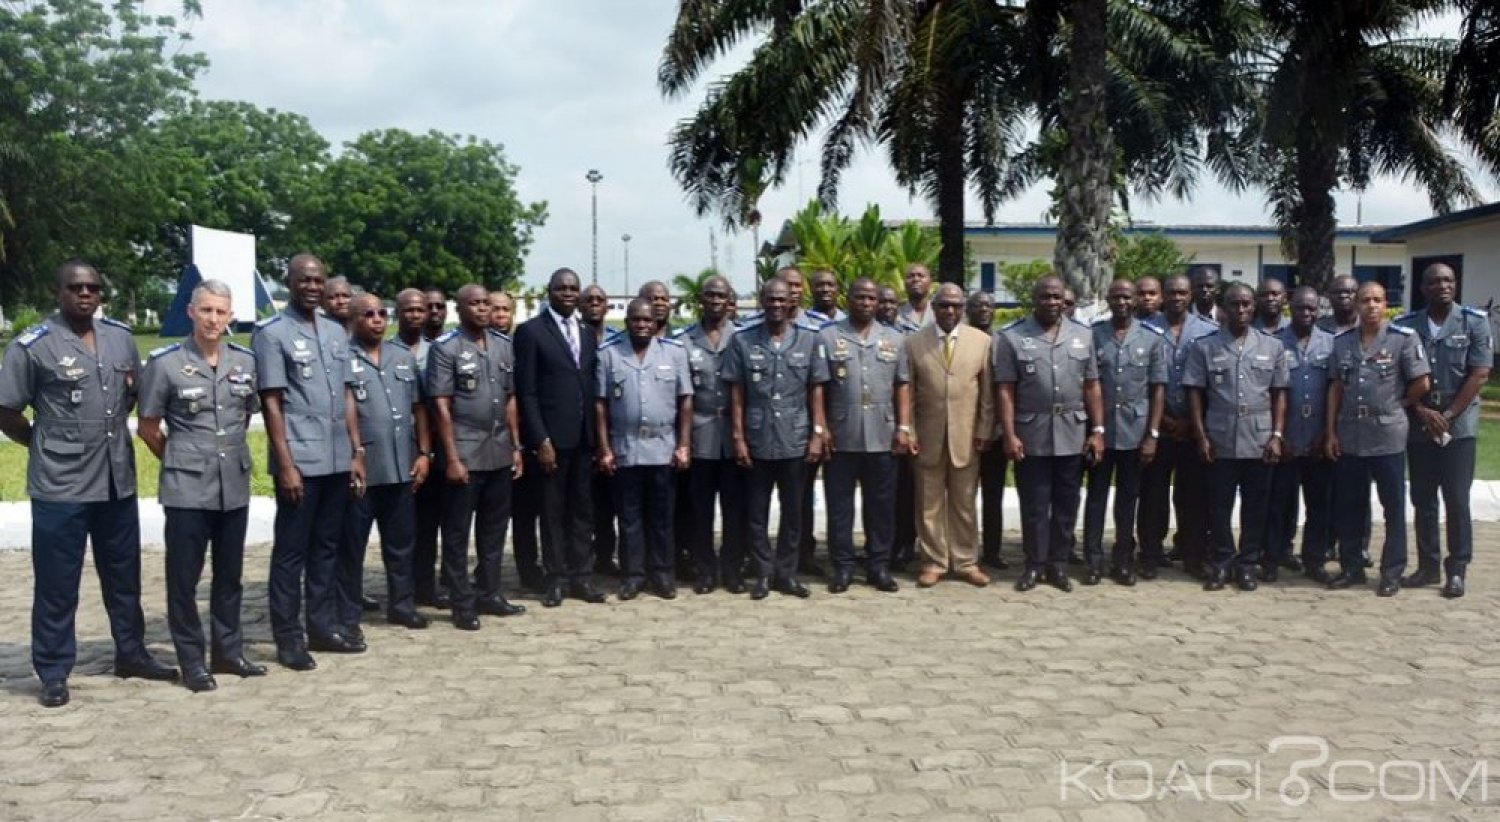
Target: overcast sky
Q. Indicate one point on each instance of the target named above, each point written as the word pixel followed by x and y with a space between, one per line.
pixel 565 86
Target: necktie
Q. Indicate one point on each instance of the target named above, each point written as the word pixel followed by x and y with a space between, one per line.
pixel 572 338
pixel 948 350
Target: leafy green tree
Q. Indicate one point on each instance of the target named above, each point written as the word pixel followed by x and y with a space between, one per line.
pixel 78 80
pixel 398 209
pixel 1154 255
pixel 689 286
pixel 1472 91
pixel 866 247
pixel 1018 278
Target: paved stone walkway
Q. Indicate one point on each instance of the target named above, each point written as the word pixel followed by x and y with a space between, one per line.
pixel 948 703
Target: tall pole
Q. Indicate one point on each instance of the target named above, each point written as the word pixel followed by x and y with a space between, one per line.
pixel 594 177
pixel 625 238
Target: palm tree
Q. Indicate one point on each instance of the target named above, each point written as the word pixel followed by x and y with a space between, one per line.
pixel 1472 93
pixel 688 287
pixel 1350 94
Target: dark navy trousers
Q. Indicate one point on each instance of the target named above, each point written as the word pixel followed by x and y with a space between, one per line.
pixel 1049 489
pixel 1249 480
pixel 724 481
pixel 393 508
pixel 875 474
pixel 1449 470
pixel 644 500
pixel 1124 467
pixel 785 478
pixel 308 536
pixel 1313 477
pixel 190 535
pixel 1353 494
pixel 483 502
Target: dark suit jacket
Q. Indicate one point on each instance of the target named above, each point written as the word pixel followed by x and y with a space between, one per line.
pixel 556 396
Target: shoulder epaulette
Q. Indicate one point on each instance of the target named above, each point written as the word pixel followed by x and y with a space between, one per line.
pixel 399 343
pixel 1012 324
pixel 1474 312
pixel 1077 321
pixel 1100 321
pixel 498 333
pixel 751 323
pixel 242 348
pixel 1400 329
pixel 1152 328
pixel 115 323
pixel 1346 331
pixel 610 341
pixel 33 334
pixel 682 332
pixel 670 341
pixel 1410 315
pixel 446 335
pixel 816 314
pixel 166 349
pixel 268 321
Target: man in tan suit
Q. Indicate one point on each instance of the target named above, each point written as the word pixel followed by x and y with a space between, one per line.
pixel 954 413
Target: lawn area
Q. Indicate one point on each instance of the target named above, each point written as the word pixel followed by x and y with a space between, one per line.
pixel 13 469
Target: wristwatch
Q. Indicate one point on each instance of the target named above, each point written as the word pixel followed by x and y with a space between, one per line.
pixel 818 429
pixel 359 451
pixel 1155 434
pixel 905 429
pixel 1276 434
pixel 1098 429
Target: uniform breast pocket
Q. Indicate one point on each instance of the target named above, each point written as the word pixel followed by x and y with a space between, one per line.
pixel 1025 367
pixel 301 364
pixel 617 388
pixel 190 400
pixel 1140 358
pixel 466 378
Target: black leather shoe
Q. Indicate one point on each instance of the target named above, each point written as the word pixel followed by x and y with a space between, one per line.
pixel 414 621
pixel 1317 573
pixel 839 582
pixel 760 589
pixel 1292 564
pixel 995 561
pixel 1174 555
pixel 443 601
pixel 663 588
pixel 1028 579
pixel 552 597
pixel 146 668
pixel 1195 571
pixel 296 658
pixel 354 634
pixel 793 588
pixel 1214 581
pixel 586 592
pixel 1347 579
pixel 810 568
pixel 1389 587
pixel 1269 573
pixel 703 585
pixel 1092 576
pixel 1244 579
pixel 53 694
pixel 465 620
pixel 735 586
pixel 1059 581
pixel 499 606
pixel 1123 576
pixel 1422 578
pixel 607 567
pixel 1454 587
pixel 199 680
pixel 238 666
pixel 1148 571
pixel 1076 558
pixel 629 589
pixel 369 604
pixel 334 644
pixel 882 581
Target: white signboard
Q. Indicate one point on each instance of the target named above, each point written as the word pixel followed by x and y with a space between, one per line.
pixel 230 257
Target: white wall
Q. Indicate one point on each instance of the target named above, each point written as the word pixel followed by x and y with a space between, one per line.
pixel 1478 242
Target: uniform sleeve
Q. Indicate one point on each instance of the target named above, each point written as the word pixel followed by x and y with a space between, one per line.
pixel 684 373
pixel 818 373
pixel 903 365
pixel 1413 359
pixel 601 376
pixel 1156 370
pixel 1195 371
pixel 16 390
pixel 734 368
pixel 439 372
pixel 156 389
pixel 1003 359
pixel 1481 345
pixel 1091 365
pixel 270 366
pixel 1281 375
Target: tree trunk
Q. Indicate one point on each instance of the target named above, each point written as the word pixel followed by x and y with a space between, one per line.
pixel 1319 135
pixel 1085 253
pixel 950 187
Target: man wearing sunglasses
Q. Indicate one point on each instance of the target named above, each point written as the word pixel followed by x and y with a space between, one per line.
pixel 78 376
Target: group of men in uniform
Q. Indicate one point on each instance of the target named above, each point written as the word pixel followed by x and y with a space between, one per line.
pixel 567 428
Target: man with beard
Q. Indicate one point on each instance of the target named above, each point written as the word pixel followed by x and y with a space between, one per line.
pixel 78 376
pixel 302 365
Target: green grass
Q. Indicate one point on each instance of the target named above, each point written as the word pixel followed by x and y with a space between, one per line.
pixel 147 469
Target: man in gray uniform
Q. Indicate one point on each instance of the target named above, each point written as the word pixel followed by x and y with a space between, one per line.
pixel 713 473
pixel 1236 381
pixel 302 365
pixel 1379 373
pixel 1460 352
pixel 1303 467
pixel 867 403
pixel 825 297
pixel 979 312
pixel 1270 303
pixel 471 378
pixel 1132 379
pixel 206 392
pixel 776 380
pixel 1052 420
pixel 644 407
pixel 78 377
pixel 917 309
pixel 393 428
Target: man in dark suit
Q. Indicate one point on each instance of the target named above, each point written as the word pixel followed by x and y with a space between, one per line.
pixel 555 358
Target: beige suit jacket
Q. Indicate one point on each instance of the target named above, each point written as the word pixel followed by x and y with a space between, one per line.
pixel 951 403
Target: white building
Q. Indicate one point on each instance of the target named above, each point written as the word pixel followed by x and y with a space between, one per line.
pixel 1468 241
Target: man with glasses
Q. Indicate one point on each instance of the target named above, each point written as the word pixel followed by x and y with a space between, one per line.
pixel 78 375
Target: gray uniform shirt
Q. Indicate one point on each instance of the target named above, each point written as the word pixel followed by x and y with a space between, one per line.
pixel 1176 349
pixel 384 394
pixel 1051 420
pixel 776 379
pixel 863 375
pixel 79 443
pixel 309 369
pixel 642 396
pixel 1237 377
pixel 1308 370
pixel 206 465
pixel 1127 370
pixel 909 314
pixel 711 434
pixel 480 381
pixel 1372 422
pixel 1463 342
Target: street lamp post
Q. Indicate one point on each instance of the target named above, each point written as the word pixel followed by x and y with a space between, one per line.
pixel 594 177
pixel 625 238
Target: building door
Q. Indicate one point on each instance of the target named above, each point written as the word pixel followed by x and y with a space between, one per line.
pixel 1419 264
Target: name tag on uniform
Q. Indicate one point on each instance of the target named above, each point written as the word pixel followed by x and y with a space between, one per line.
pixel 757 354
pixel 1077 343
pixel 197 392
